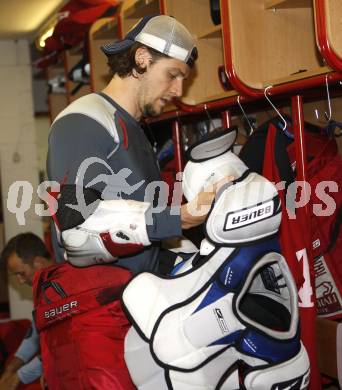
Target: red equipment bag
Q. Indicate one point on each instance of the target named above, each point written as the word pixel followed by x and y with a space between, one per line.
pixel 82 327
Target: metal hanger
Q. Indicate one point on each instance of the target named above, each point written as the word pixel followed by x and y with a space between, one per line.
pixel 245 115
pixel 286 131
pixel 212 124
pixel 275 108
pixel 328 115
pixel 334 127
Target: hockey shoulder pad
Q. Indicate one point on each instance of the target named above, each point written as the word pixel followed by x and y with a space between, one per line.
pixel 235 199
pixel 242 329
pixel 245 211
pixel 224 372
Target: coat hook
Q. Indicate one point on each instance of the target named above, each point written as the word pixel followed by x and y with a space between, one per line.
pixel 328 115
pixel 209 117
pixel 245 115
pixel 274 107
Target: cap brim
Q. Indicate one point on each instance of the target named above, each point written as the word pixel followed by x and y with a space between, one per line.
pixel 117 47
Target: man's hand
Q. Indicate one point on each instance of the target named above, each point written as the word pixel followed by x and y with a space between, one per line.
pixel 13 366
pixel 9 381
pixel 195 212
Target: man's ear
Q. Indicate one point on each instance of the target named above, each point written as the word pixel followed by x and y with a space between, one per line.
pixel 39 262
pixel 142 57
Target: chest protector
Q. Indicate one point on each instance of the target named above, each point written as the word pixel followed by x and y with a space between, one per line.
pixel 228 317
pixel 82 327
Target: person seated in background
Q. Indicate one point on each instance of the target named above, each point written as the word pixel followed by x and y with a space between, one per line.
pixel 24 255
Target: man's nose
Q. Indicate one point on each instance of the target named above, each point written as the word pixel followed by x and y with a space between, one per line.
pixel 177 88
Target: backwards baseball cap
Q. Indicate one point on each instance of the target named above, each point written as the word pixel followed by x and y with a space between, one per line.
pixel 162 33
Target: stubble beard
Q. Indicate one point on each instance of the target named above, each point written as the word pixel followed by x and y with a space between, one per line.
pixel 150 111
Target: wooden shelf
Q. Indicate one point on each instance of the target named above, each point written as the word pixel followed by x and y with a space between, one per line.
pixel 206 99
pixel 204 84
pixel 102 31
pixel 132 11
pixel 84 90
pixel 269 4
pixel 71 58
pixel 54 70
pixel 211 32
pixel 76 50
pixel 220 96
pixel 132 7
pixel 268 48
pixel 57 102
pixel 333 10
pixel 300 76
pixel 211 98
pixel 194 14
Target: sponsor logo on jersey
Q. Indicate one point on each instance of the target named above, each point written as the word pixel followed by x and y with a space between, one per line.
pixel 220 319
pixel 249 215
pixel 60 309
pixel 316 244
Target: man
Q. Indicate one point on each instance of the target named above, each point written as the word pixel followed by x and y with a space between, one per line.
pixel 24 255
pixel 98 152
pixel 110 208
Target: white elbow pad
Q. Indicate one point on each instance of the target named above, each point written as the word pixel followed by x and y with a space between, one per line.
pixel 116 228
pixel 211 160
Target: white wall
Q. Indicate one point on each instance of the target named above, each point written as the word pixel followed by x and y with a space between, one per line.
pixel 17 135
pixel 42 126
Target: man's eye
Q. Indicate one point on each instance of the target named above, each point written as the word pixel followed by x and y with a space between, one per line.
pixel 172 76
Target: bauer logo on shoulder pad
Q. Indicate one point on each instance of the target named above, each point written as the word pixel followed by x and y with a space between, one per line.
pixel 249 215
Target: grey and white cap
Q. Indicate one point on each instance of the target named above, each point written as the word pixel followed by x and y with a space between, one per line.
pixel 162 33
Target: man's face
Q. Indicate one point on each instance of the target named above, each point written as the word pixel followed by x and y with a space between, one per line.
pixel 24 272
pixel 162 81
